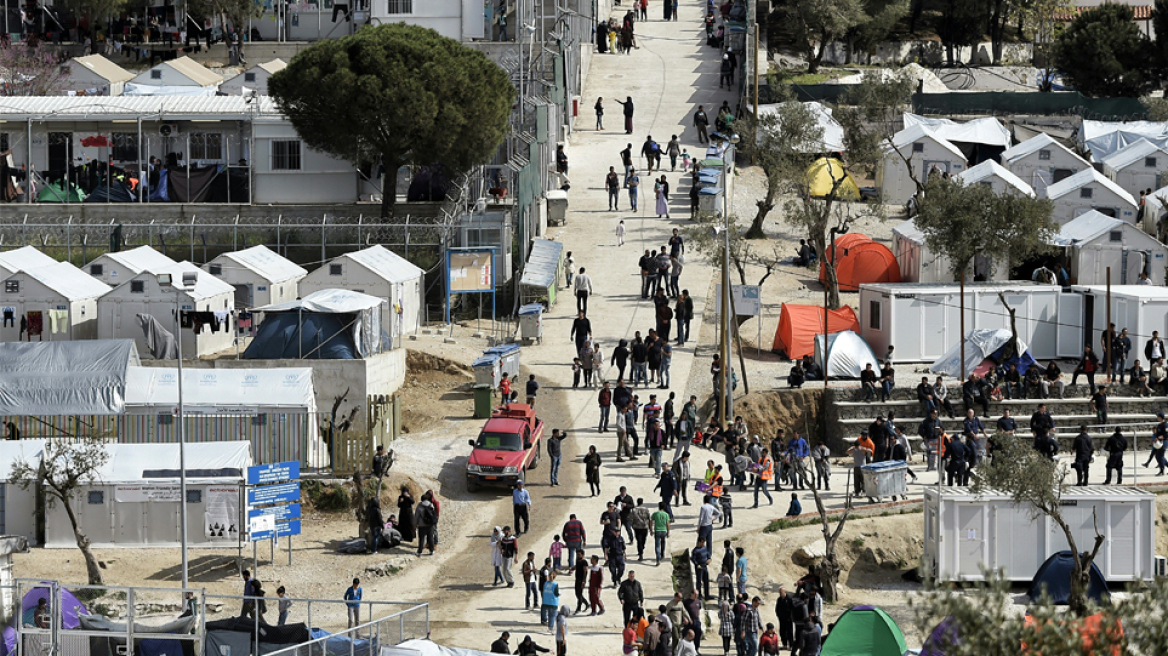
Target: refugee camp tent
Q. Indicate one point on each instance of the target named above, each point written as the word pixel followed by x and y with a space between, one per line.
pixel 54 303
pixel 1054 577
pixel 864 631
pixel 799 324
pixel 1094 242
pixel 861 261
pixel 925 151
pixel 69 606
pixel 133 500
pixel 1042 161
pixel 376 271
pixel 946 634
pixel 919 263
pixel 64 378
pixel 149 639
pixel 1102 138
pixel 114 192
pixel 825 172
pixel 1090 190
pixel 1000 179
pixel 115 268
pixel 61 192
pixel 833 133
pixel 260 276
pixel 848 354
pixel 1136 167
pixel 25 257
pixel 332 324
pixel 982 346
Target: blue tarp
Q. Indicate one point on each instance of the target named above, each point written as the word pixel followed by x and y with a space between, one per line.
pixel 335 645
pixel 1055 578
pixel 161 192
pixel 307 335
pixel 1023 361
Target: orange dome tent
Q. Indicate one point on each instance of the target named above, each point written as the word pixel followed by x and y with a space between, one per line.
pixel 861 260
pixel 1089 627
pixel 799 324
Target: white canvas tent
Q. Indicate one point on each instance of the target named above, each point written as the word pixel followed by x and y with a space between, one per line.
pixel 1042 161
pixel 833 132
pixel 926 152
pixel 259 275
pixel 59 301
pixel 1094 242
pixel 918 262
pixel 1090 190
pixel 986 131
pixel 848 355
pixel 65 378
pixel 1136 167
pixel 1102 138
pixel 979 344
pixel 115 268
pixel 1000 179
pixel 133 500
pixel 25 257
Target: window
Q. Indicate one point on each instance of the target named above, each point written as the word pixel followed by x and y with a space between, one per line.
pixel 986 184
pixel 874 315
pixel 137 286
pixel 249 77
pixel 1149 162
pixel 1116 235
pixel 286 155
pixel 1086 192
pixel 96 497
pixel 483 237
pixel 206 145
pixel 918 148
pixel 335 270
pixel 156 75
pixel 11 286
pixel 96 269
pixel 215 269
pixel 1044 155
pixel 401 6
pixel 194 496
pixel 125 147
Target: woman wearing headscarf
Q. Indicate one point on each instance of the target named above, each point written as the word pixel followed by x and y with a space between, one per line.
pixel 405 513
pixel 592 470
pixel 375 522
pixel 627 103
pixel 602 37
pixel 497 554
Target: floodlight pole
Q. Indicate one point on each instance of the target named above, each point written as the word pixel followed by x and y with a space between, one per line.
pixel 179 287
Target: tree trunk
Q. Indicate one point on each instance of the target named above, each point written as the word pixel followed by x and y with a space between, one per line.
pixel 918 6
pixel 828 571
pixel 817 57
pixel 764 208
pixel 92 569
pixel 850 47
pixel 1078 598
pixel 997 32
pixel 388 187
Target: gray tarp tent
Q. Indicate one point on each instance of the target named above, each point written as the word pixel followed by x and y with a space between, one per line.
pixel 65 378
pixel 849 353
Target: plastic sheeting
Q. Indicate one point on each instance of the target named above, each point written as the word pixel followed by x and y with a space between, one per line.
pixel 849 354
pixel 65 378
pixel 100 623
pixel 149 90
pixel 152 390
pixel 979 345
pixel 428 648
pixel 332 324
pixel 206 462
pixel 833 132
pixel 1102 138
pixel 989 131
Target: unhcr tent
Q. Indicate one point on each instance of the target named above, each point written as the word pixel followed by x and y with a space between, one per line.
pixel 1054 576
pixel 799 324
pixel 65 378
pixel 332 324
pixel 864 631
pixel 822 175
pixel 861 261
pixel 983 349
pixel 849 353
pixel 56 193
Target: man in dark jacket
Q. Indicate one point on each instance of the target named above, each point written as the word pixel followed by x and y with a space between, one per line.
pixel 667 484
pixel 1154 348
pixel 624 503
pixel 925 395
pixel 631 595
pixel 956 453
pixel 800 615
pixel 878 433
pixel 581 330
pixel 1115 446
pixel 1041 423
pixel 784 610
pixel 500 646
pixel 1084 449
pixel 683 313
pixel 648 272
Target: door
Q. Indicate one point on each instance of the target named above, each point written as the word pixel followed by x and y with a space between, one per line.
pixel 933 329
pixel 1134 263
pixel 60 154
pixel 1109 211
pixel 930 164
pixel 243 296
pixel 970 540
pixel 1061 174
pixel 1123 555
pixel 1014 527
pixel 1070 326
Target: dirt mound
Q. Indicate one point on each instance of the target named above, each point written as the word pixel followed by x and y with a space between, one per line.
pixel 791 410
pixel 432 385
pixel 418 363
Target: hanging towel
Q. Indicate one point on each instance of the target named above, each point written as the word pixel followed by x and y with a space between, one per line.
pixel 244 320
pixel 222 319
pixel 159 341
pixel 59 321
pixel 36 324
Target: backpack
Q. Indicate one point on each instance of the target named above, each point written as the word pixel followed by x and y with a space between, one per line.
pixel 655 148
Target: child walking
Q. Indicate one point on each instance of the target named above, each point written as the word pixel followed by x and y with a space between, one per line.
pixel 283 605
pixel 620 233
pixel 725 586
pixel 556 552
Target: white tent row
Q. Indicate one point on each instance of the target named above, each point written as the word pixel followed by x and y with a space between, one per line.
pixel 988 131
pixel 220 391
pixel 1102 138
pixel 833 132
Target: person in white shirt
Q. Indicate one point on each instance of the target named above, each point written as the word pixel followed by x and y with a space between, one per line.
pixel 583 286
pixel 620 234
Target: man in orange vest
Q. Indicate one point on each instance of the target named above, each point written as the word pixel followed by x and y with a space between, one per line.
pixel 764 477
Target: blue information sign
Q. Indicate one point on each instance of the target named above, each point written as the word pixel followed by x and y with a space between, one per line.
pixel 277 472
pixel 281 513
pixel 282 493
pixel 282 529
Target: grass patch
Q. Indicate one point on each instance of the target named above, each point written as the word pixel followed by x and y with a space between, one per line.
pixel 782 524
pixel 858 542
pixel 327 497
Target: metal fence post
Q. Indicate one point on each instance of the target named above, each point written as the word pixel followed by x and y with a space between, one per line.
pixel 130 613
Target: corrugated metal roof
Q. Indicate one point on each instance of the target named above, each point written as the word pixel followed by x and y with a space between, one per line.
pixel 1035 144
pixel 540 270
pixel 918 132
pixel 142 259
pixel 68 281
pixel 1086 227
pixel 1083 178
pixel 264 262
pixel 125 107
pixel 24 258
pixel 990 168
pixel 1130 154
pixel 104 68
pixel 386 263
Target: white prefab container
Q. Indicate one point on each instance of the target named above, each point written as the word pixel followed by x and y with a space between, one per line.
pixel 1095 242
pixel 923 321
pixel 55 303
pixel 925 152
pixel 259 275
pixel 1042 161
pixel 1139 308
pixel 966 534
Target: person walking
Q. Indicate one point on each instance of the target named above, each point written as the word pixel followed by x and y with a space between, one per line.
pixel 627 104
pixel 521 507
pixel 632 183
pixel 749 626
pixel 604 401
pixel 595 583
pixel 640 520
pixel 580 568
pixel 509 552
pixel 612 183
pixel 530 584
pixel 740 570
pixel 631 595
pixel 1115 446
pixel 551 600
pixel 673 149
pixel 700 556
pixel 581 330
pixel 592 471
pixel 497 554
pixel 555 453
pixel 1084 451
pixel 583 287
pixel 426 518
pixel 1159 443
pixel 599 107
pixel 661 521
pixel 620 227
pixel 701 122
pixel 531 389
pixel 765 474
pixel 626 156
pixel 353 602
pixel 681 472
pixel 660 188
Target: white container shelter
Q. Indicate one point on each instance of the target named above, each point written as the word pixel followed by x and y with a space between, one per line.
pixel 259 275
pixel 179 72
pixel 1042 161
pixel 1136 167
pixel 17 506
pixel 966 534
pixel 95 76
pixel 60 298
pixel 1094 241
pixel 379 272
pixel 142 294
pixel 918 263
pixel 115 268
pixel 924 320
pixel 19 259
pixel 997 177
pixel 254 79
pixel 1090 190
pixel 133 500
pixel 1139 308
pixel 926 152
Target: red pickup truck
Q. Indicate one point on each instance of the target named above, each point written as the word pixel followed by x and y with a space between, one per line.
pixel 508 445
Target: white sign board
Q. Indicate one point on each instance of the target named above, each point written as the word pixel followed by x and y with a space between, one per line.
pixel 144 493
pixel 261 524
pixel 747 300
pixel 221 519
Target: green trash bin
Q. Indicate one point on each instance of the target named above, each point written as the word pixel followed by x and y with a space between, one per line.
pixel 483 395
